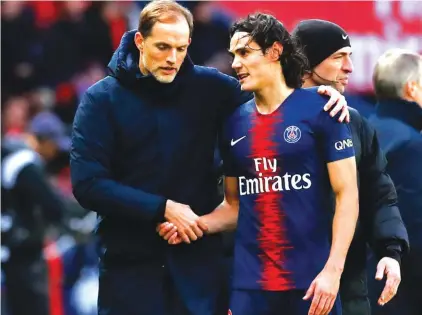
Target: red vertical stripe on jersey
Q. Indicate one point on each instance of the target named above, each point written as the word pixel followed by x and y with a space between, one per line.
pixel 272 235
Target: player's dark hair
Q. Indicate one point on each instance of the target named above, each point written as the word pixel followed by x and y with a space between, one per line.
pixel 265 29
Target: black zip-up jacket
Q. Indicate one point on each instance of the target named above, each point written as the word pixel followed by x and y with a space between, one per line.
pixel 380 224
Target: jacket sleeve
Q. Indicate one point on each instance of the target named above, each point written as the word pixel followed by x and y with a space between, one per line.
pixel 232 94
pixel 380 216
pixel 93 142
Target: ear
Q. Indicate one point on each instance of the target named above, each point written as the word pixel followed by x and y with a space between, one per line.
pixel 275 51
pixel 410 89
pixel 139 41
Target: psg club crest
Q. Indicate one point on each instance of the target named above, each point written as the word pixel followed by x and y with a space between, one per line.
pixel 292 134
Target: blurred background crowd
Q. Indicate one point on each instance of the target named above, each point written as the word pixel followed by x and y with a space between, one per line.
pixel 51 52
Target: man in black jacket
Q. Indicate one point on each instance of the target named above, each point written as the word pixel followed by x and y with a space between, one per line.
pixel 380 225
pixel 398 121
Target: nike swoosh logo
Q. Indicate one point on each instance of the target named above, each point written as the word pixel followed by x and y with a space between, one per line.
pixel 344 36
pixel 233 142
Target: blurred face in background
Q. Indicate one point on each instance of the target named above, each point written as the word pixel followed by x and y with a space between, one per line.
pixel 47 149
pixel 164 50
pixel 335 70
pixel 15 115
pixel 254 69
pixel 413 89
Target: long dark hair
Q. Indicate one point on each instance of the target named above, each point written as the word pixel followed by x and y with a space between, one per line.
pixel 265 29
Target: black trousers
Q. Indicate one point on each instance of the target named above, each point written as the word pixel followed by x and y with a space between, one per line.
pixel 149 289
pixel 354 293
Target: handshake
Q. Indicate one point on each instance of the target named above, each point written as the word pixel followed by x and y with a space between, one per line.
pixel 182 224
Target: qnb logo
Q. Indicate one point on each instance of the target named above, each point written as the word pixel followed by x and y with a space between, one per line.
pixel 265 184
pixel 344 144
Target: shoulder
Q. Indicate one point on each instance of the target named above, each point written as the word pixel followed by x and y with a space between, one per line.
pixel 14 163
pixel 357 121
pixel 310 98
pixel 213 76
pixel 101 94
pixel 309 104
pixel 392 133
pixel 103 87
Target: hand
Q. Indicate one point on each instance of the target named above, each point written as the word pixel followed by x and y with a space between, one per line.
pixel 391 268
pixel 335 99
pixel 168 231
pixel 324 290
pixel 188 225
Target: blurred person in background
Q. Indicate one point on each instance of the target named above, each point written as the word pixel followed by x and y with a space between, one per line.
pixel 142 152
pixel 31 211
pixel 397 82
pixel 20 52
pixel 329 51
pixel 15 115
pixel 47 136
pixel 209 37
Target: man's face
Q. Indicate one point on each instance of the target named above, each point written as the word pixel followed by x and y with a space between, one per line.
pixel 164 50
pixel 250 64
pixel 47 149
pixel 335 68
pixel 415 90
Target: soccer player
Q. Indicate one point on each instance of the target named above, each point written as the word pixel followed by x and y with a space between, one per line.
pixel 329 50
pixel 281 153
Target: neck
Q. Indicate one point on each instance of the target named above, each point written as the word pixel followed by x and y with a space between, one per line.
pixel 142 68
pixel 308 82
pixel 272 95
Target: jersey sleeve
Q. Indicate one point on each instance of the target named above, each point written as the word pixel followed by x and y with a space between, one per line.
pixel 336 138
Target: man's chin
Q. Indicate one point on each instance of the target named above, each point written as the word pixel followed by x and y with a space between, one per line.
pixel 341 88
pixel 165 78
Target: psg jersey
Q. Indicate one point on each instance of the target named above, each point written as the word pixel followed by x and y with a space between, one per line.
pixel 280 159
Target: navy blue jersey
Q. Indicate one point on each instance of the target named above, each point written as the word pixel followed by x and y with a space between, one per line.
pixel 283 233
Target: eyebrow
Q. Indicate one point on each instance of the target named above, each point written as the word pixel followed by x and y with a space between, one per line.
pixel 168 45
pixel 236 50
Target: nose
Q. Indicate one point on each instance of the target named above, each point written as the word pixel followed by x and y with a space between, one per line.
pixel 348 65
pixel 236 63
pixel 172 56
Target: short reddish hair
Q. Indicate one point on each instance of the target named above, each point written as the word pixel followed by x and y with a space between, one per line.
pixel 160 11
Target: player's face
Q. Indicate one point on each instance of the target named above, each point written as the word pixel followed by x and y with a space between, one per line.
pixel 335 68
pixel 164 50
pixel 249 62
